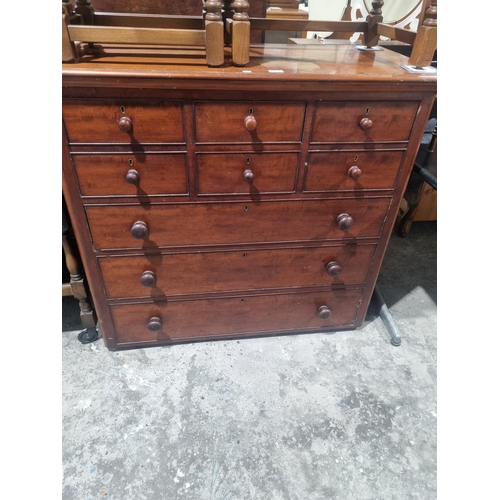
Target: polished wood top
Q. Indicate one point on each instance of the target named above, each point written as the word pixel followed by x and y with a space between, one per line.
pixel 292 65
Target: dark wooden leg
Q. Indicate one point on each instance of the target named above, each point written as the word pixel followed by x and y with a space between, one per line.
pixel 78 289
pixel 370 38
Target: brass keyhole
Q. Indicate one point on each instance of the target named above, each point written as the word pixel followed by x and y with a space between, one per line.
pixel 250 111
pixel 248 160
pixel 356 158
pixel 131 162
pixel 367 110
pixel 122 109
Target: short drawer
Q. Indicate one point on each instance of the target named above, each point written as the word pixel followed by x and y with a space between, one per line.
pixel 186 224
pixel 130 175
pixel 363 121
pixel 170 320
pixel 249 122
pixel 95 121
pixel 344 171
pixel 242 173
pixel 194 273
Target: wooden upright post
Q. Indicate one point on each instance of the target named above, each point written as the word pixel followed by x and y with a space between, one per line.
pixel 426 40
pixel 241 33
pixel 68 47
pixel 214 29
pixel 84 8
pixel 370 37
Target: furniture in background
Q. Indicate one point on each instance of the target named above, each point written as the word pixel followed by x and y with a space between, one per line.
pixel 226 24
pixel 423 178
pixel 423 41
pixel 77 287
pixel 86 25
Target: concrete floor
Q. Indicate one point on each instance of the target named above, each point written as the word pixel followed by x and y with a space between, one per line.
pixel 342 416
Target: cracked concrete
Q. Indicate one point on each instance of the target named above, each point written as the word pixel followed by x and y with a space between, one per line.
pixel 342 416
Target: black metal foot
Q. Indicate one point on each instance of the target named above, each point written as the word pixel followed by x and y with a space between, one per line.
pixel 88 335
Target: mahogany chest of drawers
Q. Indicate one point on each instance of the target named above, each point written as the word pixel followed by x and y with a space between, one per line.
pixel 217 203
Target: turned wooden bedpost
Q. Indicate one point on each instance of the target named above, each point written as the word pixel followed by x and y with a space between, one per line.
pixel 370 37
pixel 241 33
pixel 214 29
pixel 426 40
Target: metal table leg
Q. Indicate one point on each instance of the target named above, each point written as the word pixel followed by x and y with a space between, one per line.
pixel 387 318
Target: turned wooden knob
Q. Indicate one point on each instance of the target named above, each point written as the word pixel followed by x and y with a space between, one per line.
pixel 148 278
pixel 248 176
pixel 125 124
pixel 354 172
pixel 132 177
pixel 333 268
pixel 366 123
pixel 139 230
pixel 324 312
pixel 250 123
pixel 154 324
pixel 345 222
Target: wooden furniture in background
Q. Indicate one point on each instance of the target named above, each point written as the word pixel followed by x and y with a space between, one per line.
pixel 86 24
pixel 423 41
pixel 77 287
pixel 83 25
pixel 420 198
pixel 213 204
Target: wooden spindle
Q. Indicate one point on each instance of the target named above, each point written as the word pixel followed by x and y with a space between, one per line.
pixel 370 37
pixel 241 33
pixel 68 47
pixel 66 7
pixel 426 40
pixel 214 29
pixel 84 8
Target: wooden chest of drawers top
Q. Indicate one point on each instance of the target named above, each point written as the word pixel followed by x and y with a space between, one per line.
pixel 237 201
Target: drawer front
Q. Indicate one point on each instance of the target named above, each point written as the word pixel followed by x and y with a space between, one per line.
pixel 233 223
pixel 344 121
pixel 227 122
pixel 242 173
pixel 130 175
pixel 192 273
pixel 93 121
pixel 343 171
pixel 235 316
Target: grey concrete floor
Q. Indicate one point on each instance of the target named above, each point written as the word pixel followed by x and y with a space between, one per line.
pixel 319 416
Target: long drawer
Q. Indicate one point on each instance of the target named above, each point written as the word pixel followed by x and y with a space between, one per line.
pixel 186 224
pixel 160 275
pixel 132 175
pixel 167 320
pixel 123 121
